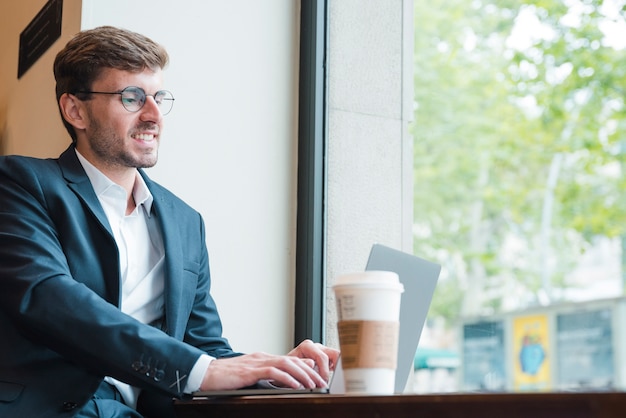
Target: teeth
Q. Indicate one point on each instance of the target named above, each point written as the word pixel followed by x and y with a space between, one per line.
pixel 144 137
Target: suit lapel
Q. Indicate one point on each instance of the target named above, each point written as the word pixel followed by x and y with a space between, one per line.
pixel 164 211
pixel 79 182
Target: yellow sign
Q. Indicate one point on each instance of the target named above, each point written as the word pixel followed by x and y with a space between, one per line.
pixel 531 369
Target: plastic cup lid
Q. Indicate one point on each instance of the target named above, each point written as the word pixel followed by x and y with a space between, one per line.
pixel 371 279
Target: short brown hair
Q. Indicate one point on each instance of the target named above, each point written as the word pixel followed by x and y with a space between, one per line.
pixel 84 57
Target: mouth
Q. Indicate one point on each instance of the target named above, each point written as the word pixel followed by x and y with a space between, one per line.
pixel 145 137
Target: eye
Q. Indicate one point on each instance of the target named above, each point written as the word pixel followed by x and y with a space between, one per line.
pixel 133 96
pixel 163 95
pixel 130 99
pixel 159 96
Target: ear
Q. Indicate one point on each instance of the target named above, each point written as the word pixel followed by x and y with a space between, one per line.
pixel 73 111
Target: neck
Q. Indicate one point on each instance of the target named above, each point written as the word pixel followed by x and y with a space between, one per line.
pixel 130 204
pixel 126 179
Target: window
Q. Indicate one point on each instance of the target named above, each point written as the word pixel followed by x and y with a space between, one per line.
pixel 520 145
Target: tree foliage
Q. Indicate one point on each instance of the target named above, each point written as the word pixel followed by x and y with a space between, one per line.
pixel 519 145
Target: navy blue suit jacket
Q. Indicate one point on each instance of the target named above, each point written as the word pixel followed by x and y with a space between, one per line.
pixel 61 330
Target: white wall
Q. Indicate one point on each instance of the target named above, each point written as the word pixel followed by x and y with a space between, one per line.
pixel 229 145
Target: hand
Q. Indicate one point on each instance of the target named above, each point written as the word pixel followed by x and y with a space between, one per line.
pixel 325 358
pixel 291 371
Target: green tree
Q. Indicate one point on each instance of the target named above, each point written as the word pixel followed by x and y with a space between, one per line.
pixel 518 146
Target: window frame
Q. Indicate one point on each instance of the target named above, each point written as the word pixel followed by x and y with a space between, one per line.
pixel 310 241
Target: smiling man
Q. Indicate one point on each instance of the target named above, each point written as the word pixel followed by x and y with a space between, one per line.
pixel 105 309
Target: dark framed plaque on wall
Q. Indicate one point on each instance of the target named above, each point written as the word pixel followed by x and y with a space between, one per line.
pixel 39 35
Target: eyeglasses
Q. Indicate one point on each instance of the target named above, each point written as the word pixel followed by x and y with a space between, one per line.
pixel 133 98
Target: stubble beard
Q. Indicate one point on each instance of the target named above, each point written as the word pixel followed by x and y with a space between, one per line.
pixel 111 150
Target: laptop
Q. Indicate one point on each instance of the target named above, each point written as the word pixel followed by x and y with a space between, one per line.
pixel 419 278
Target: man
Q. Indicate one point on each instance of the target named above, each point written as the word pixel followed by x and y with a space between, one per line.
pixel 105 307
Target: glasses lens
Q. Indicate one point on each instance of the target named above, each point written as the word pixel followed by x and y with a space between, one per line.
pixel 165 100
pixel 133 98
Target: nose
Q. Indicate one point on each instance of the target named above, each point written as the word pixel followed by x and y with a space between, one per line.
pixel 150 110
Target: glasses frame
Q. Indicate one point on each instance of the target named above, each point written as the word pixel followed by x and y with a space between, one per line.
pixel 140 90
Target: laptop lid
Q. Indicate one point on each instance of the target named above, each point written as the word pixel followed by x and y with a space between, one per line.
pixel 419 278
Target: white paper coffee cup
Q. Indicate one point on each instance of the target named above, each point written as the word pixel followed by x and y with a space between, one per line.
pixel 368 311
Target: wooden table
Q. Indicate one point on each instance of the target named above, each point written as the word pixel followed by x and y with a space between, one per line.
pixel 505 405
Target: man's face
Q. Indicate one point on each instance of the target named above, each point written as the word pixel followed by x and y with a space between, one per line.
pixel 115 139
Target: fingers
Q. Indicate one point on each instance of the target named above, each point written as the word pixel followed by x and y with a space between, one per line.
pixel 302 371
pixel 287 371
pixel 325 358
pixel 293 372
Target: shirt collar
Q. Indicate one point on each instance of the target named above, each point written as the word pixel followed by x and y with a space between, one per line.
pixel 102 183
